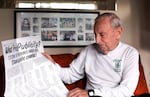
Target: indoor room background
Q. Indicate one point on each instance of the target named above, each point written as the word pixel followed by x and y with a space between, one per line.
pixel 135 19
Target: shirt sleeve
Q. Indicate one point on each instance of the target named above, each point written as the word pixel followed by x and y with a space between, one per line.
pixel 75 71
pixel 129 80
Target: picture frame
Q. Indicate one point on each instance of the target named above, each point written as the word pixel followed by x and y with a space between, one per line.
pixel 57 28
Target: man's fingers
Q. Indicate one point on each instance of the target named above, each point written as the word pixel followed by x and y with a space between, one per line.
pixel 77 92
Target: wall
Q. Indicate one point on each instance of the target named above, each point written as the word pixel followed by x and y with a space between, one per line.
pixel 6 25
pixel 144 36
pixel 132 14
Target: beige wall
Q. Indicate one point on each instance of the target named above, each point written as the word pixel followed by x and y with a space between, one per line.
pixel 130 12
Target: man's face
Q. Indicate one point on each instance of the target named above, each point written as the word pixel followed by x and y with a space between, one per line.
pixel 106 36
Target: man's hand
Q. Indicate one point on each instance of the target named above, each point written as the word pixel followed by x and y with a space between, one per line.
pixel 48 57
pixel 77 92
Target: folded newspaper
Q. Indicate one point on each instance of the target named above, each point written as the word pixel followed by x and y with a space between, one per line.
pixel 27 72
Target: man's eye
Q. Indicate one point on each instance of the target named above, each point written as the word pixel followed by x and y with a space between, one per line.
pixel 102 35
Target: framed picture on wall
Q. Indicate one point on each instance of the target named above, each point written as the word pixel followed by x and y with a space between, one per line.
pixel 56 28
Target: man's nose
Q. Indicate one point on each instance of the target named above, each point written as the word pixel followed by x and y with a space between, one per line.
pixel 98 39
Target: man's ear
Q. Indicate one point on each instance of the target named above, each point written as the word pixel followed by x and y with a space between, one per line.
pixel 119 31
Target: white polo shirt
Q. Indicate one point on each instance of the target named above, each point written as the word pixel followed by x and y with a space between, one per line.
pixel 113 75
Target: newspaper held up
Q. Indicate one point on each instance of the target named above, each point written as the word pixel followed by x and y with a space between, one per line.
pixel 27 72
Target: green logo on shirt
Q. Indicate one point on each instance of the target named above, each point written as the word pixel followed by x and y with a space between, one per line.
pixel 117 65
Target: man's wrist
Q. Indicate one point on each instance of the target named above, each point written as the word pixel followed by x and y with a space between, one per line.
pixel 91 93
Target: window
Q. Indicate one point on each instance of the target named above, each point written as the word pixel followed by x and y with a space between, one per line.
pixel 89 6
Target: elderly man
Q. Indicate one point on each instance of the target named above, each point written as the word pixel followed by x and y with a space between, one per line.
pixel 111 66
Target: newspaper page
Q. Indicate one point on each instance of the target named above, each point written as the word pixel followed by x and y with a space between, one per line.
pixel 27 72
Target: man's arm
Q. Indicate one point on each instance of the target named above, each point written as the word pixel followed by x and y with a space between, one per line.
pixel 127 85
pixel 129 80
pixel 48 57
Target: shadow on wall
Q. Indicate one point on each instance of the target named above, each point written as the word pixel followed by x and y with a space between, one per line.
pixel 145 25
pixel 7 3
pixel 145 40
